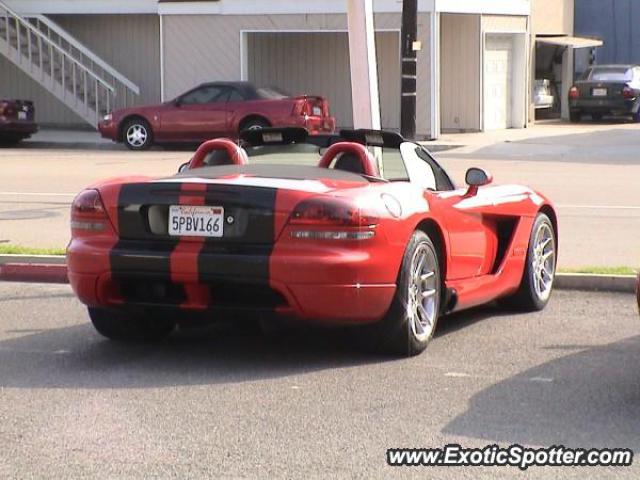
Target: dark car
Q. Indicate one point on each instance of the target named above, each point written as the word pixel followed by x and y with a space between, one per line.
pixel 218 109
pixel 606 90
pixel 17 121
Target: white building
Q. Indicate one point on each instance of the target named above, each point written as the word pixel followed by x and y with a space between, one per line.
pixel 474 70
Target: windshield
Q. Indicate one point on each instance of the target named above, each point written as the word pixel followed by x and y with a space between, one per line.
pixel 296 154
pixel 610 74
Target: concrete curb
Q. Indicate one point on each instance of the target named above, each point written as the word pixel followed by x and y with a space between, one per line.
pixel 33 268
pixel 596 283
pixel 52 269
pixel 33 259
pixel 41 145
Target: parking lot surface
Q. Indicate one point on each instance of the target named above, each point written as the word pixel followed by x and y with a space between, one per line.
pixel 227 403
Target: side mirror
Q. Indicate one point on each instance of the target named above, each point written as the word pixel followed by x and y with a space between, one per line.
pixel 477 177
pixel 184 167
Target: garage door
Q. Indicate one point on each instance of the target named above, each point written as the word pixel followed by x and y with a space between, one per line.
pixel 317 63
pixel 498 95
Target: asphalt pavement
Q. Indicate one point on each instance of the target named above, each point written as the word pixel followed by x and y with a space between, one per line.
pixel 227 403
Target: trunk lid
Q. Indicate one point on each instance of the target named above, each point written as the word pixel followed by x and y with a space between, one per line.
pixel 251 210
pixel 17 110
pixel 590 90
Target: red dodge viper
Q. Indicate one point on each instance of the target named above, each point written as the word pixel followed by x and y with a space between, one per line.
pixel 362 228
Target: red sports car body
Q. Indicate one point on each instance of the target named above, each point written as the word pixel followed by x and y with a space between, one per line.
pixel 313 228
pixel 211 110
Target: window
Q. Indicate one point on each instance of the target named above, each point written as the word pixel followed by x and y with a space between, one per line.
pixel 393 165
pixel 202 95
pixel 423 169
pixel 234 96
pixel 610 74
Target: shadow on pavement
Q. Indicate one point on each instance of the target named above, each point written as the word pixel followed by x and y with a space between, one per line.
pixel 77 357
pixel 589 398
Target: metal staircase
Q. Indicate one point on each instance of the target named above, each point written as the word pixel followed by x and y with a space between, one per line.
pixel 62 65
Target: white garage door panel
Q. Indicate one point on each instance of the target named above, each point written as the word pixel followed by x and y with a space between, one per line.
pixel 318 63
pixel 498 96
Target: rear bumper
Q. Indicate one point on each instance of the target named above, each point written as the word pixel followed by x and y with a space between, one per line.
pixel 331 289
pixel 18 128
pixel 621 107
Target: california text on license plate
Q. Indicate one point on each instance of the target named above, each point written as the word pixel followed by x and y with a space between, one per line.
pixel 194 221
pixel 599 92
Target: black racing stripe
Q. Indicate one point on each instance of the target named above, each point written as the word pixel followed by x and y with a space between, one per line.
pixel 242 255
pixel 140 260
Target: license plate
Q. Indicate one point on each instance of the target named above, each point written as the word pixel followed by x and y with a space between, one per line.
pixel 599 92
pixel 22 115
pixel 317 111
pixel 190 221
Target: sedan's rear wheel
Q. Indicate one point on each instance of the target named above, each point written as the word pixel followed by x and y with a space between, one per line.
pixel 575 116
pixel 411 320
pixel 125 326
pixel 540 270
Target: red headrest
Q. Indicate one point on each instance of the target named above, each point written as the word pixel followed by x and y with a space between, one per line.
pixel 369 164
pixel 237 154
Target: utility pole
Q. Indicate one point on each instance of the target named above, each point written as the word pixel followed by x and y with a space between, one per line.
pixel 410 47
pixel 364 69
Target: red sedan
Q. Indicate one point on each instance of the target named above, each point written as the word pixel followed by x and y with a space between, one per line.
pixel 212 110
pixel 314 228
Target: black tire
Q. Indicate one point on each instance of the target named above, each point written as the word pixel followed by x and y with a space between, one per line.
pixel 636 116
pixel 254 124
pixel 396 333
pixel 125 326
pixel 596 117
pixel 527 298
pixel 575 116
pixel 137 134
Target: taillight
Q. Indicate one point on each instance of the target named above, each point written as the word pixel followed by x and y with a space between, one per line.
pixel 88 212
pixel 574 93
pixel 332 219
pixel 3 107
pixel 628 93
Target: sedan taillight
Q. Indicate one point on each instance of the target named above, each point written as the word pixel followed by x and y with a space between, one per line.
pixel 628 93
pixel 574 93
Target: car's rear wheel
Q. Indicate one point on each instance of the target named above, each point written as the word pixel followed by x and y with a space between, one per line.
pixel 126 326
pixel 137 134
pixel 575 116
pixel 410 323
pixel 254 124
pixel 540 269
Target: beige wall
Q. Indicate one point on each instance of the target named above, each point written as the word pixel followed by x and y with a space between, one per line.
pixel 552 17
pixel 314 63
pixel 200 48
pixel 130 43
pixel 503 23
pixel 460 72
